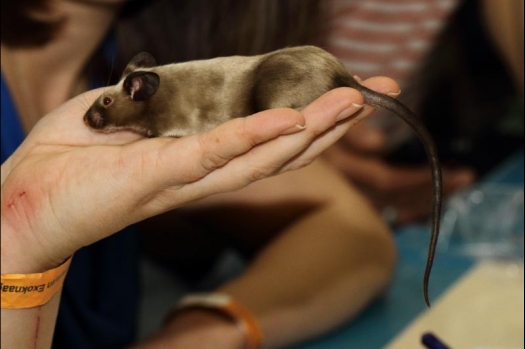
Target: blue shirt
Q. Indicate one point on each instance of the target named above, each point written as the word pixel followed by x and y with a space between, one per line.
pixel 100 297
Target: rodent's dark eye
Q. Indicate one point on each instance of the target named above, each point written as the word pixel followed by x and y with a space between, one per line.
pixel 107 100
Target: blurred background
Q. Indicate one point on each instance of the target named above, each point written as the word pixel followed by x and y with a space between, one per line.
pixel 451 73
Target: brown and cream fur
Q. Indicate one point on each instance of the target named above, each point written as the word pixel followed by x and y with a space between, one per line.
pixel 203 94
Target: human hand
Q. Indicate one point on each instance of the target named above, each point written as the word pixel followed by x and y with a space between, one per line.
pixel 403 193
pixel 66 186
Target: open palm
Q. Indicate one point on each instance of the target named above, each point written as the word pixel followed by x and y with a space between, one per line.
pixel 67 186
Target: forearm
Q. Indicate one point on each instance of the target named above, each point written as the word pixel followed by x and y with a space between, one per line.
pixel 332 255
pixel 320 272
pixel 310 279
pixel 314 277
pixel 31 328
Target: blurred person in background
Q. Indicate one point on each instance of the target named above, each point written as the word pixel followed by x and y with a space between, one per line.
pixel 317 253
pixel 459 64
pixel 280 231
pixel 460 67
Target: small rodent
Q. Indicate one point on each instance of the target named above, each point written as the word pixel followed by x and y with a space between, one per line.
pixel 185 98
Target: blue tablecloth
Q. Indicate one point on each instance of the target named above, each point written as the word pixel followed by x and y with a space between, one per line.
pixel 403 302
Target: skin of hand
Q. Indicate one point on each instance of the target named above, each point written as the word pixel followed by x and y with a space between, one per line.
pixel 65 175
pixel 358 155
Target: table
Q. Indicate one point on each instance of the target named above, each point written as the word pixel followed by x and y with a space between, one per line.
pixel 483 310
pixel 390 315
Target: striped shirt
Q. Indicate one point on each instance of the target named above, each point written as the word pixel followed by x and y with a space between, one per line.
pixel 387 38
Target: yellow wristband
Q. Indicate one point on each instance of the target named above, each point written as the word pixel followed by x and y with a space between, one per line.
pixel 21 291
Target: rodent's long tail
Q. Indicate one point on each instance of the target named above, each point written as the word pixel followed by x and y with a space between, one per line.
pixel 379 100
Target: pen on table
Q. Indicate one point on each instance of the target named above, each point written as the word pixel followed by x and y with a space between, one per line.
pixel 432 342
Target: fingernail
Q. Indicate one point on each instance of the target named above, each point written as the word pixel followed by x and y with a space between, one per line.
pixel 294 129
pixel 349 111
pixel 394 94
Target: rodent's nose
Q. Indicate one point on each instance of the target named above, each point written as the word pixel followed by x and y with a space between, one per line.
pixel 94 119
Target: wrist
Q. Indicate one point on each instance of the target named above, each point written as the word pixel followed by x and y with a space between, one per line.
pixel 22 291
pixel 225 306
pixel 194 325
pixel 23 255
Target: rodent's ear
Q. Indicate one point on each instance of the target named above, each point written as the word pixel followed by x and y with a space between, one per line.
pixel 141 85
pixel 141 60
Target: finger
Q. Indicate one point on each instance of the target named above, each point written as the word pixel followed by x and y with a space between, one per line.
pixel 208 151
pixel 319 145
pixel 382 84
pixel 269 158
pixel 365 137
pixel 326 132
